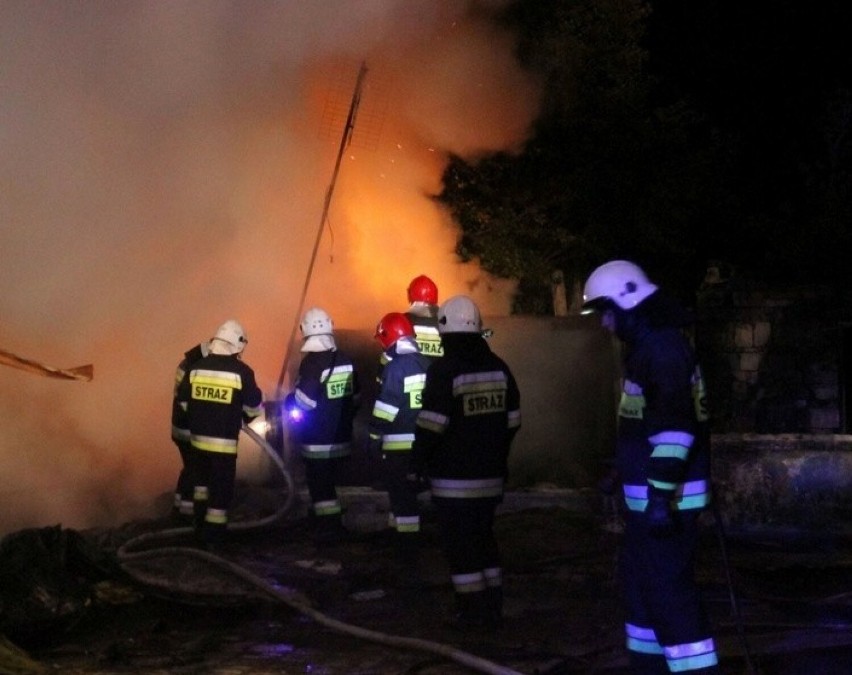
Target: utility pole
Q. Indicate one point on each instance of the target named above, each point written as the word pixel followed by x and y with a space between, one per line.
pixel 344 142
pixel 273 411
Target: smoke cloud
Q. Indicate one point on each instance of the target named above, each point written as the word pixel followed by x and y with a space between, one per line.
pixel 164 167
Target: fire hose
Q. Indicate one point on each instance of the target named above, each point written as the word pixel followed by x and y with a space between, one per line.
pixel 127 556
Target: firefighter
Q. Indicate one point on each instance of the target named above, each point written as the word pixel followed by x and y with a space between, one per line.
pixel 423 313
pixel 182 509
pixel 470 415
pixel 392 424
pixel 219 393
pixel 321 411
pixel 663 461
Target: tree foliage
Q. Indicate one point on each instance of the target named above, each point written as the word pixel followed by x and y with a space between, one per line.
pixel 635 153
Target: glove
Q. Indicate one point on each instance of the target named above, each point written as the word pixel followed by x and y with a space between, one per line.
pixel 417 483
pixel 658 514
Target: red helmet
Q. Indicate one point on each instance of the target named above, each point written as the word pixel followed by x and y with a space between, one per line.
pixel 423 289
pixel 392 327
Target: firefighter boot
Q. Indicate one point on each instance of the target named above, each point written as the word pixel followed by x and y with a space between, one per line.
pixel 213 536
pixel 472 612
pixel 329 530
pixel 406 547
pixel 407 553
pixel 647 664
pixel 494 607
pixel 199 513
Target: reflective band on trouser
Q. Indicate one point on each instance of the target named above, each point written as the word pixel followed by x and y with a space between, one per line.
pixel 397 442
pixel 328 451
pixel 692 656
pixel 211 444
pixel 466 489
pixel 692 495
pixel 670 450
pixel 201 493
pixel 185 508
pixel 642 640
pixel 406 523
pixel 216 516
pixel 470 582
pixel 493 577
pixel 513 419
pixel 327 508
pixel 673 437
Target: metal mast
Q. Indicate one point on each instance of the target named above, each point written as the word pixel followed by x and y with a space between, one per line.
pixel 344 141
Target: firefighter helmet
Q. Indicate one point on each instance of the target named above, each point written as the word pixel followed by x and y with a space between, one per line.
pixel 230 338
pixel 392 327
pixel 620 282
pixel 423 289
pixel 459 314
pixel 316 321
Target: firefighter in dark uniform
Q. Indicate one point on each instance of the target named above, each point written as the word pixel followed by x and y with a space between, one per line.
pixel 663 462
pixel 321 411
pixel 471 413
pixel 182 509
pixel 219 393
pixel 423 314
pixel 392 424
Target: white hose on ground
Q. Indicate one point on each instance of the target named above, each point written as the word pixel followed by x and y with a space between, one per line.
pixel 446 651
pixel 125 556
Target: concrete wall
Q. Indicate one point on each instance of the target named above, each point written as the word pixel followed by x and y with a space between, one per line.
pixel 784 483
pixel 568 373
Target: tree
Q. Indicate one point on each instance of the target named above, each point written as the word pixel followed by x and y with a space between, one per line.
pixel 604 175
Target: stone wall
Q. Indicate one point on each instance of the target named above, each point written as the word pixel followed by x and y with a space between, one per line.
pixel 772 359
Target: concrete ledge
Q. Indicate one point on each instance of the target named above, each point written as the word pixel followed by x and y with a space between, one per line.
pixel 784 482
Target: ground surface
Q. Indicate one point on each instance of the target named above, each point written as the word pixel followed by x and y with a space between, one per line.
pixel 273 602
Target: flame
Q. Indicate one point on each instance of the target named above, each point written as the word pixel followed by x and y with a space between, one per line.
pixel 161 179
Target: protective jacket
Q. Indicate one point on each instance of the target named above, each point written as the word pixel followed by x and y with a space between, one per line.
pixel 327 391
pixel 399 401
pixel 663 436
pixel 471 412
pixel 424 320
pixel 219 392
pixel 180 428
pixel 663 459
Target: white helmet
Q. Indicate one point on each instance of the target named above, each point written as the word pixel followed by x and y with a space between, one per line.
pixel 619 281
pixel 316 321
pixel 459 314
pixel 230 338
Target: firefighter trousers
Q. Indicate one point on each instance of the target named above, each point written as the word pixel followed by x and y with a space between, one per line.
pixel 214 478
pixel 666 626
pixel 473 556
pixel 185 488
pixel 402 498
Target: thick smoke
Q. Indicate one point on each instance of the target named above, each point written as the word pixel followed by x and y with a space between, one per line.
pixel 164 167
